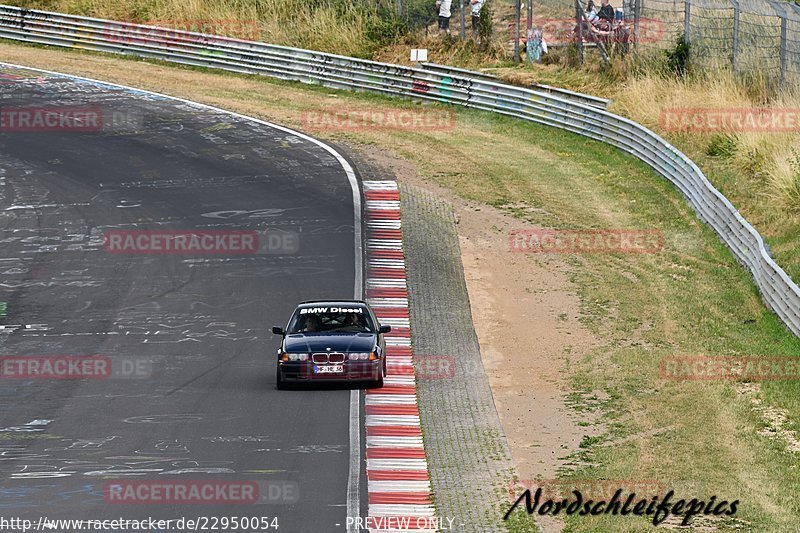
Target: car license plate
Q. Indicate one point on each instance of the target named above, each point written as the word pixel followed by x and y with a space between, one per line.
pixel 328 369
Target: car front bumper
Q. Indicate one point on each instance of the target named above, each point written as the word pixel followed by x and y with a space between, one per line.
pixel 352 371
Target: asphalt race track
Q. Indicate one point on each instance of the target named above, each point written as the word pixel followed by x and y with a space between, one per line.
pixel 191 394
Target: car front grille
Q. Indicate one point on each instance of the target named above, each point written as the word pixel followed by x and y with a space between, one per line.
pixel 332 357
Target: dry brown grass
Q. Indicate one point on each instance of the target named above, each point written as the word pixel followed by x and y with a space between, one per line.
pixel 327 25
pixel 766 159
pixel 444 50
pixel 759 171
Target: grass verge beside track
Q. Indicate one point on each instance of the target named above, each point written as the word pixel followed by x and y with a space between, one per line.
pixel 702 438
pixel 759 171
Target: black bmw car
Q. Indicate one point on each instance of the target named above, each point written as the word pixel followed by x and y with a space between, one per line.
pixel 338 341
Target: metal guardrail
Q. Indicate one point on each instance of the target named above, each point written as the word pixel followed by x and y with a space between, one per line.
pixel 585 99
pixel 778 291
pixel 456 71
pixel 580 98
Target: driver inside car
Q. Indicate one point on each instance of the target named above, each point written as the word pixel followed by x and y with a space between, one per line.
pixel 312 324
pixel 354 322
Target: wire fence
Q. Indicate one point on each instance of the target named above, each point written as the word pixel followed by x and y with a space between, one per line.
pixel 419 14
pixel 756 36
pixel 753 36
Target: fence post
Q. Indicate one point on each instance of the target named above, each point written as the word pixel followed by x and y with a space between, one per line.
pixel 579 22
pixel 687 13
pixel 517 16
pixel 529 25
pixel 783 50
pixel 637 13
pixel 735 54
pixel 463 32
pixel 399 8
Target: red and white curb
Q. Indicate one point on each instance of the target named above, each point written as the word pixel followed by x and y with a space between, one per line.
pixel 397 472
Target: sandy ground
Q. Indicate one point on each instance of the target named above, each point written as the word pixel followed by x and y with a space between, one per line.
pixel 525 315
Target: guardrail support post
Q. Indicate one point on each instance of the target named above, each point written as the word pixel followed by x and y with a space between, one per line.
pixel 529 25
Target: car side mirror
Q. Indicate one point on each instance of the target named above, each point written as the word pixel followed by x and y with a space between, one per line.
pixel 384 329
pixel 277 330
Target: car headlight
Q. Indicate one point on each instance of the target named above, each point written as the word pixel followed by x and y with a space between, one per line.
pixel 294 357
pixel 359 356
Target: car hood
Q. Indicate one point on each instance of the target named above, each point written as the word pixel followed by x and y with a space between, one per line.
pixel 339 342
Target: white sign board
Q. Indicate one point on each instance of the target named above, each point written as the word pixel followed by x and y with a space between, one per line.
pixel 419 54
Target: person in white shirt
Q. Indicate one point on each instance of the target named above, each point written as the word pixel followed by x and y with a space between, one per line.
pixel 444 15
pixel 476 14
pixel 591 13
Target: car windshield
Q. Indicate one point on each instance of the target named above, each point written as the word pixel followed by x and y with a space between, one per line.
pixel 331 322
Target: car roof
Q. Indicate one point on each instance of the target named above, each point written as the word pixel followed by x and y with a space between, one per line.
pixel 332 303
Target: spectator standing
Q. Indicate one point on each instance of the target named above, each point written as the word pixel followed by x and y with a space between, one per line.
pixel 444 15
pixel 476 14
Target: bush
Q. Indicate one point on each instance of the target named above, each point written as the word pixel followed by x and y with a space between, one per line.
pixel 678 57
pixel 485 25
pixel 384 31
pixel 421 13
